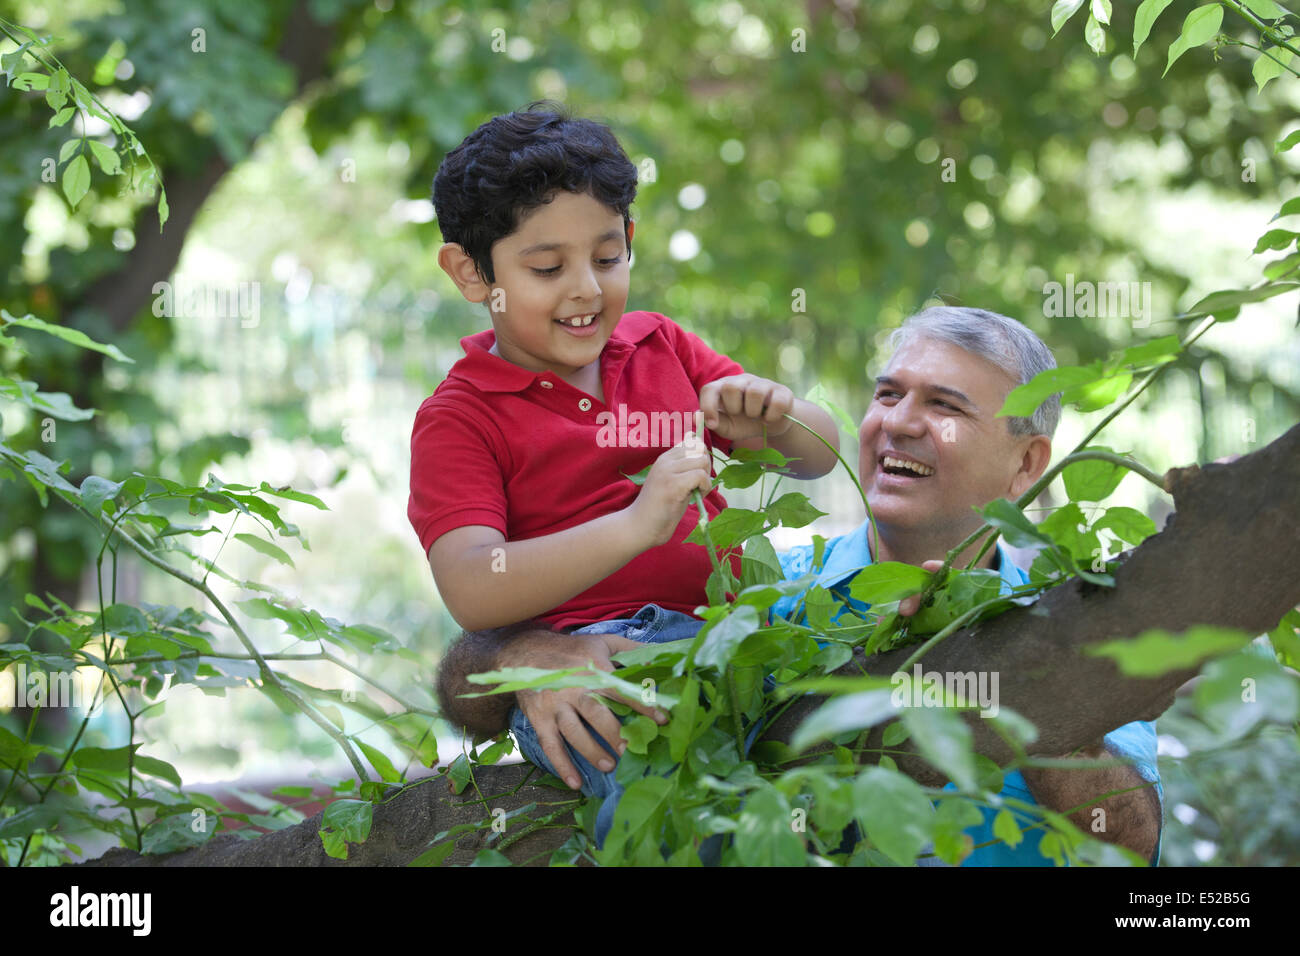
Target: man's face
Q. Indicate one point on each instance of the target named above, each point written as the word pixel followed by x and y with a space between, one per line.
pixel 934 406
pixel 567 261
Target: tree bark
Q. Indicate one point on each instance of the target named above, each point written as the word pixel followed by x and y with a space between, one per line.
pixel 1226 557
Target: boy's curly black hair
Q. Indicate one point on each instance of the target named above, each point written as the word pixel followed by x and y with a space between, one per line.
pixel 517 162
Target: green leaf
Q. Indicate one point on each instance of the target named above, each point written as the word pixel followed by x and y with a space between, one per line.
pixel 379 760
pixel 459 773
pixel 1287 143
pixel 681 728
pixel 1092 480
pixel 1062 10
pixel 944 740
pixel 61 117
pixel 156 768
pixel 1098 394
pixel 1094 35
pixel 1265 9
pixel 895 813
pixel 791 510
pixel 96 490
pixel 1201 25
pixel 849 712
pixel 99 758
pixel 76 180
pixel 721 637
pixel 1280 268
pixel 895 734
pixel 263 546
pixel 888 581
pixel 1101 11
pixel 106 156
pixel 1019 531
pixel 1129 524
pixel 1157 652
pixel 351 818
pixel 638 731
pixel 759 563
pixel 1023 400
pixel 490 857
pixel 1275 239
pixel 765 835
pixel 1285 640
pixel 1005 827
pixel 287 492
pixel 730 527
pixel 1149 354
pixel 1146 16
pixel 1238 692
pixel 75 336
pixel 1269 65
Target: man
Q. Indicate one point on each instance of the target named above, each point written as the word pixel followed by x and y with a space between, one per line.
pixel 932 450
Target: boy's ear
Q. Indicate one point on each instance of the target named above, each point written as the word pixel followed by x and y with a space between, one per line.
pixel 456 263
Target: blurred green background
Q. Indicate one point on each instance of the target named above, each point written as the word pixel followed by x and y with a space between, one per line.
pixel 811 175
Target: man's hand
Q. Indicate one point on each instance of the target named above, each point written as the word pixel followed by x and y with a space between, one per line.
pixel 680 470
pixel 741 406
pixel 910 605
pixel 558 716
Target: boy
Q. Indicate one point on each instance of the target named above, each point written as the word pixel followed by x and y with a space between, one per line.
pixel 518 460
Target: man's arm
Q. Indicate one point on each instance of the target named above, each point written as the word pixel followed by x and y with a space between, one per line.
pixel 1130 819
pixel 557 716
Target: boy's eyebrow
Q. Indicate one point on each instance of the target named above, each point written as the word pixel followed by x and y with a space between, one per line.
pixel 941 389
pixel 548 246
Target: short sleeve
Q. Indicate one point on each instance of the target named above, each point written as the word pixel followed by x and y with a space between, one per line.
pixel 457 477
pixel 702 364
pixel 795 564
pixel 1138 743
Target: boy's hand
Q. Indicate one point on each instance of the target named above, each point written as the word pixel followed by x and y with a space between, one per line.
pixel 659 507
pixel 569 715
pixel 740 406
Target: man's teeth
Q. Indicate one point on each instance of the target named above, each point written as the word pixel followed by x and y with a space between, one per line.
pixel 912 466
pixel 579 321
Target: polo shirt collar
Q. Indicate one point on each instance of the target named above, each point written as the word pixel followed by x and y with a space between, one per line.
pixel 491 373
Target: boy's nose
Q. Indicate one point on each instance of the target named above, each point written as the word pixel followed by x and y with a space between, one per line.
pixel 585 285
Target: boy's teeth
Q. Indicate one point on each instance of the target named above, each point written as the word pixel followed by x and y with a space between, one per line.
pixel 580 321
pixel 912 466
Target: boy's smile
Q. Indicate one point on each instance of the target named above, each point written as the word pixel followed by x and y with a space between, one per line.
pixel 561 284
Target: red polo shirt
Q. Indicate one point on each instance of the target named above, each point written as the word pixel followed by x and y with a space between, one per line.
pixel 528 454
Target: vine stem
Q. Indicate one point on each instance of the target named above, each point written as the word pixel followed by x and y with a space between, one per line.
pixel 1264 29
pixel 268 674
pixel 1051 473
pixel 874 538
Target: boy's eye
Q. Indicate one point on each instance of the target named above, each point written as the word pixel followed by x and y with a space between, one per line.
pixel 547 272
pixel 611 262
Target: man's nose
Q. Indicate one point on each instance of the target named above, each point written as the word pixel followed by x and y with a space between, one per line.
pixel 904 418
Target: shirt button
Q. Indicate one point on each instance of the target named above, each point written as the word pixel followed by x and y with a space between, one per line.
pixel 545 384
pixel 584 404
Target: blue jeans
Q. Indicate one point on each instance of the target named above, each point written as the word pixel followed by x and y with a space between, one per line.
pixel 650 625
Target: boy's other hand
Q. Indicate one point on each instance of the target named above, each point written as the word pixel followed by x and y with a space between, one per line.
pixel 741 406
pixel 558 716
pixel 659 507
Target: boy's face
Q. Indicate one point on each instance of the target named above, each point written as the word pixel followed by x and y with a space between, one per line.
pixel 566 264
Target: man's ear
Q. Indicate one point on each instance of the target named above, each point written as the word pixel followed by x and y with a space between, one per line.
pixel 456 263
pixel 1034 456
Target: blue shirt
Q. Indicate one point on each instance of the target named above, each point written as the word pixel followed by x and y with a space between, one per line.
pixel 842 558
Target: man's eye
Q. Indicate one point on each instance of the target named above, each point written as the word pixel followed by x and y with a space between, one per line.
pixel 886 393
pixel 946 405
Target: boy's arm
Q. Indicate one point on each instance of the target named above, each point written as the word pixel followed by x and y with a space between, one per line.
pixel 740 407
pixel 487 582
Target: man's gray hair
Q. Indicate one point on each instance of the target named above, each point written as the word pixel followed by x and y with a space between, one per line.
pixel 1005 342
